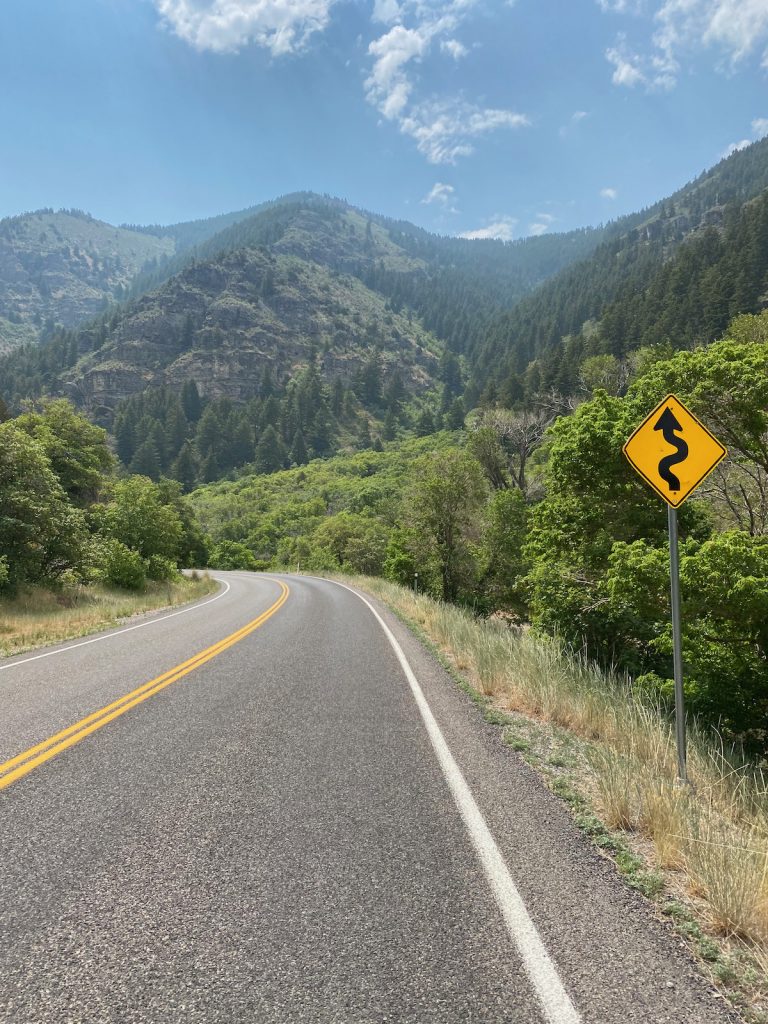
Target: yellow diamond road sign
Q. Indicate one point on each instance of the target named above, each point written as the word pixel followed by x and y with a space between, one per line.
pixel 673 451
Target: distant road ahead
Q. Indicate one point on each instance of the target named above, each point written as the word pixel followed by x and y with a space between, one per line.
pixel 258 810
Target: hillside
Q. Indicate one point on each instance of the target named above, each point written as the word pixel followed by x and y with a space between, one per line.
pixel 671 275
pixel 64 267
pixel 277 516
pixel 261 294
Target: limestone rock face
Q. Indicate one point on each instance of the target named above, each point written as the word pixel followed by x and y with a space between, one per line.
pixel 223 322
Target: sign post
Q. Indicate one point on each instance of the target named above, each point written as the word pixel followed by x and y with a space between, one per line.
pixel 696 453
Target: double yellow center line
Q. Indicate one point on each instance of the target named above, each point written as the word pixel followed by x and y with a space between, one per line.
pixel 22 764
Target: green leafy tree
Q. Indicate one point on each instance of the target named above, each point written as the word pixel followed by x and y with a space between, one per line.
pixel 77 450
pixel 41 533
pixel 138 517
pixel 442 508
pixel 230 554
pixel 503 544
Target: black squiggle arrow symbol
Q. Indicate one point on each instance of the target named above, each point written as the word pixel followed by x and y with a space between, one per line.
pixel 667 424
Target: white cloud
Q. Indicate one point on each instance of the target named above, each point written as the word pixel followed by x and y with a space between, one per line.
pixel 444 130
pixel 503 228
pixel 631 69
pixel 759 131
pixel 609 193
pixel 456 49
pixel 573 122
pixel 621 6
pixel 443 195
pixel 735 147
pixel 386 11
pixel 732 29
pixel 225 26
pixel 541 225
pixel 388 85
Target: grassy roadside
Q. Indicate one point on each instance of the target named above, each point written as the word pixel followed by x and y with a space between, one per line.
pixel 699 853
pixel 37 617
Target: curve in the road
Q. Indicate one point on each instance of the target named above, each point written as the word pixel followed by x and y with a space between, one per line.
pixel 117 632
pixel 22 764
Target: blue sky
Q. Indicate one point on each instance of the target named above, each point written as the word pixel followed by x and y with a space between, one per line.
pixel 481 117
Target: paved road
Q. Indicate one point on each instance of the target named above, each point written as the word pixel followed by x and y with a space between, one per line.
pixel 296 830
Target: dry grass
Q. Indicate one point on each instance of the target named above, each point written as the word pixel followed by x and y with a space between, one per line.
pixel 37 617
pixel 713 834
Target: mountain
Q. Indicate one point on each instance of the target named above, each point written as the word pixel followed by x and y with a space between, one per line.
pixel 65 267
pixel 304 273
pixel 671 275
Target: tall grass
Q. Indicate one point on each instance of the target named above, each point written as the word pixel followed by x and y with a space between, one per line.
pixel 36 616
pixel 715 831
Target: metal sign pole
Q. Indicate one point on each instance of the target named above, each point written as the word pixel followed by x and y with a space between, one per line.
pixel 674 586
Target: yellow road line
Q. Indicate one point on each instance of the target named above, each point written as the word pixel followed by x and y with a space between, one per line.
pixel 20 765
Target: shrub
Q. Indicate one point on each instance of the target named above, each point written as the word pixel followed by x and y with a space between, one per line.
pixel 231 554
pixel 124 567
pixel 159 568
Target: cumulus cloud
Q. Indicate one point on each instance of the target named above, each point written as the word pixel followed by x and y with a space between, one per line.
pixel 733 30
pixel 631 69
pixel 759 131
pixel 453 47
pixel 443 195
pixel 609 193
pixel 386 11
pixel 735 147
pixel 225 26
pixel 388 86
pixel 443 129
pixel 502 227
pixel 541 225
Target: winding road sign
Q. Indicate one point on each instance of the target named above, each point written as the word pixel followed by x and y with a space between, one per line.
pixel 672 451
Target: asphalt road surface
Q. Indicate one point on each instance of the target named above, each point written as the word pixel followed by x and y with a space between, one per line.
pixel 268 808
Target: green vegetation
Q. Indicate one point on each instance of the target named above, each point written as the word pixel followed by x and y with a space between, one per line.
pixel 66 521
pixel 541 519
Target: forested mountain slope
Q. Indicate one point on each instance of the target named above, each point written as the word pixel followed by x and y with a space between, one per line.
pixel 64 267
pixel 673 275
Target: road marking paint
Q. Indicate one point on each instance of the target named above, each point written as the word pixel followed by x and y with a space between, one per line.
pixel 20 765
pixel 117 632
pixel 541 970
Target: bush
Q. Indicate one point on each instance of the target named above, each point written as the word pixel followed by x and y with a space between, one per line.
pixel 159 568
pixel 124 567
pixel 231 554
pixel 5 575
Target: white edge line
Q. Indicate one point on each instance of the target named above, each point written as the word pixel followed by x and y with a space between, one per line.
pixel 539 966
pixel 118 632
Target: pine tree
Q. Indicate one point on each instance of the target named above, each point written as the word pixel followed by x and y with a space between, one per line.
pixel 390 426
pixel 209 470
pixel 242 443
pixel 146 461
pixel 270 452
pixel 299 454
pixel 190 401
pixel 425 424
pixel 185 468
pixel 364 434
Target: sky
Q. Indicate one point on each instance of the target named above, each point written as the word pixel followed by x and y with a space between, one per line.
pixel 483 118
